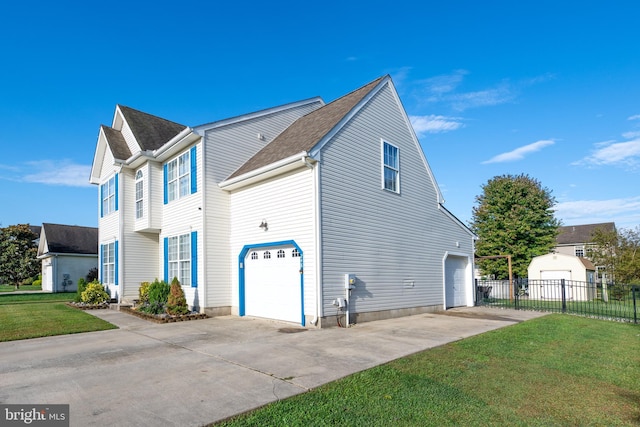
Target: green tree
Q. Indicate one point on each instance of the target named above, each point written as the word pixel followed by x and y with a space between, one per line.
pixel 18 253
pixel 618 253
pixel 513 216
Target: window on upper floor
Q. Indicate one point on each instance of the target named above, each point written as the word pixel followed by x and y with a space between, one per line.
pixel 109 196
pixel 180 178
pixel 580 251
pixel 390 167
pixel 139 194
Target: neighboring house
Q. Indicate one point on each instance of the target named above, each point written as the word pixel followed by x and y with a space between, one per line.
pixel 547 271
pixel 576 239
pixel 274 213
pixel 67 252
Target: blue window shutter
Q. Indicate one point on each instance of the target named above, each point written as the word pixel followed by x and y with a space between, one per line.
pixel 116 191
pixel 194 170
pixel 166 259
pixel 115 253
pixel 166 195
pixel 194 259
pixel 101 201
pixel 100 261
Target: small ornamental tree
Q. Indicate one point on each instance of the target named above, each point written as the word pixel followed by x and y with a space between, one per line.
pixel 157 298
pixel 177 303
pixel 18 252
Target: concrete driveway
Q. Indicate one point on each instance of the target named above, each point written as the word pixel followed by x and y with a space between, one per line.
pixel 197 372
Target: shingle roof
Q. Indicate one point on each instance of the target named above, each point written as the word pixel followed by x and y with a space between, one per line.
pixel 588 264
pixel 307 131
pixel 116 142
pixel 150 131
pixel 581 233
pixel 71 239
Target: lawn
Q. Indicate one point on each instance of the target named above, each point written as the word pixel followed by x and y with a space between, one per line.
pixel 11 288
pixel 558 370
pixel 40 315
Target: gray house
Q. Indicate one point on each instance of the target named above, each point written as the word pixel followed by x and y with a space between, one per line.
pixel 67 252
pixel 575 239
pixel 307 212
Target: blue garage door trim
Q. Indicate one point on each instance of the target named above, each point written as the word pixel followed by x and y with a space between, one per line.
pixel 243 254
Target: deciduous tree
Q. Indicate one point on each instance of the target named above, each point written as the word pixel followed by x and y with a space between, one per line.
pixel 513 216
pixel 18 253
pixel 618 253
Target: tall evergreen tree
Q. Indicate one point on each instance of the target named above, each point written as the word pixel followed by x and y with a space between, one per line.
pixel 513 216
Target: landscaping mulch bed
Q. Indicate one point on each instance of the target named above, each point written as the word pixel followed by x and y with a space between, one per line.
pixel 163 318
pixel 84 306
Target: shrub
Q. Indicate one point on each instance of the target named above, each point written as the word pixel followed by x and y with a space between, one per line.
pixel 176 303
pixel 92 275
pixel 158 296
pixel 143 292
pixel 82 284
pixel 94 293
pixel 37 282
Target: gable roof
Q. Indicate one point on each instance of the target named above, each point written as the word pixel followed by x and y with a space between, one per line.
pixel 151 132
pixel 116 142
pixel 69 239
pixel 307 131
pixel 571 234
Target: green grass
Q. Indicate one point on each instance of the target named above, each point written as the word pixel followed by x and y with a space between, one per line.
pixel 557 370
pixel 42 315
pixel 11 288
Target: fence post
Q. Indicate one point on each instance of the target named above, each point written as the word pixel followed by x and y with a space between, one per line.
pixel 564 296
pixel 477 302
pixel 635 311
pixel 516 292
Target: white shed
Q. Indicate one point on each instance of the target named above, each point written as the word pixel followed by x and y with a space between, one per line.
pixel 547 272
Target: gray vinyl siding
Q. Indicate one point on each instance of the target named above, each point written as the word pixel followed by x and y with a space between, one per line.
pixel 382 237
pixel 226 149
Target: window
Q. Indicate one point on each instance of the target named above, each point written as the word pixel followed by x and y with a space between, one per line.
pixel 580 251
pixel 179 258
pixel 139 195
pixel 180 178
pixel 108 273
pixel 266 255
pixel 254 255
pixel 280 253
pixel 108 194
pixel 390 167
pixel 295 253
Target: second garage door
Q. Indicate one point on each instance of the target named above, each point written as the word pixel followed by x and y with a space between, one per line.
pixel 272 283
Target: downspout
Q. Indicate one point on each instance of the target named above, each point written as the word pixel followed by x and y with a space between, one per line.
pixel 316 195
pixel 54 282
pixel 121 208
pixel 203 240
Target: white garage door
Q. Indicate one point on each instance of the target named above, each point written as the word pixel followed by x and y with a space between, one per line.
pixel 272 284
pixel 551 284
pixel 455 281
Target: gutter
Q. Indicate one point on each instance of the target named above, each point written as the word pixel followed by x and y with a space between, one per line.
pixel 273 169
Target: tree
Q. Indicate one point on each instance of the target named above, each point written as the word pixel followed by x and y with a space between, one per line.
pixel 618 253
pixel 513 216
pixel 18 253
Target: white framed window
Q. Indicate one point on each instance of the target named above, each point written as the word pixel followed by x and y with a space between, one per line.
pixel 254 255
pixel 179 177
pixel 109 263
pixel 580 251
pixel 295 253
pixel 108 195
pixel 179 258
pixel 266 255
pixel 280 253
pixel 139 194
pixel 390 167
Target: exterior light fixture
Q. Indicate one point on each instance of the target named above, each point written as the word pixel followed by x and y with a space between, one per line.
pixel 264 225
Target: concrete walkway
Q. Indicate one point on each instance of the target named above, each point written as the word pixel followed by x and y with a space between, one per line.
pixel 197 372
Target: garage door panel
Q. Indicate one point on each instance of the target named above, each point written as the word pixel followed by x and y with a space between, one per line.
pixel 272 284
pixel 455 281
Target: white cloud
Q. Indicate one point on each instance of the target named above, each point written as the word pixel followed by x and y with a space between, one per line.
pixel 634 117
pixel 444 83
pixel 631 134
pixel 521 152
pixel 625 212
pixel 612 153
pixel 63 173
pixel 483 98
pixel 434 124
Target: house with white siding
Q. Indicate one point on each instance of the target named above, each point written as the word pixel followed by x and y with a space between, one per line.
pixel 307 212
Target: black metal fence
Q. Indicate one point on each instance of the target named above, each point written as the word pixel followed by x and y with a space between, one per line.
pixel 612 302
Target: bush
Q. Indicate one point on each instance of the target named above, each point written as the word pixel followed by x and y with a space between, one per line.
pixel 94 293
pixel 82 285
pixel 92 275
pixel 177 303
pixel 158 296
pixel 37 282
pixel 143 292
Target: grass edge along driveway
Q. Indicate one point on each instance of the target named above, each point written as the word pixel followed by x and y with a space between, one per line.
pixel 43 315
pixel 556 370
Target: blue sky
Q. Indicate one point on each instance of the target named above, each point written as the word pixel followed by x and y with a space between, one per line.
pixel 493 88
